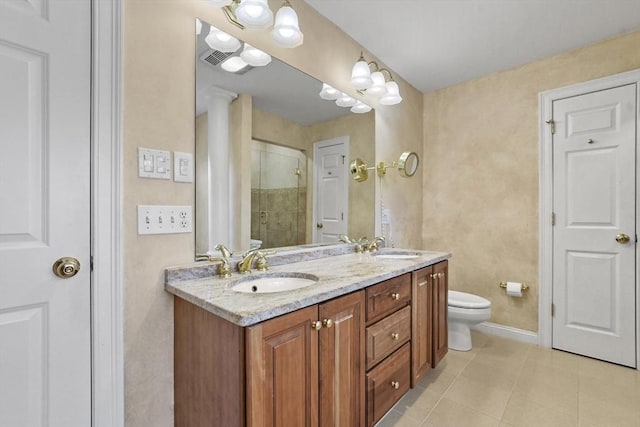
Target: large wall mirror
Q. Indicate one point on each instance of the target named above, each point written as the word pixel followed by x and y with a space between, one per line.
pixel 272 157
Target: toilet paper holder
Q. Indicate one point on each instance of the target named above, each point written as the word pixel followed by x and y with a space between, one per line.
pixel 525 287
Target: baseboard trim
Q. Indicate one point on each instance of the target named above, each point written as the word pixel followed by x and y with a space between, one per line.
pixel 507 332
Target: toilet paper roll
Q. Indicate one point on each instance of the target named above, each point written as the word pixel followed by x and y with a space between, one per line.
pixel 514 289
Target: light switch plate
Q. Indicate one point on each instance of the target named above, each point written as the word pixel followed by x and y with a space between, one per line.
pixel 154 163
pixel 164 219
pixel 182 167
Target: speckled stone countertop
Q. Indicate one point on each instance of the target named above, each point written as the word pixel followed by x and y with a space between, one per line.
pixel 338 274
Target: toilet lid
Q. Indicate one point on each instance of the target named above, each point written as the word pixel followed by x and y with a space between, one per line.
pixel 465 300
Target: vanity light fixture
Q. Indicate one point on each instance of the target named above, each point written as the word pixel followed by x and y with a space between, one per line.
pixel 254 57
pixel 360 108
pixel 219 40
pixel 363 80
pixel 198 26
pixel 329 93
pixel 345 100
pixel 256 14
pixel 234 64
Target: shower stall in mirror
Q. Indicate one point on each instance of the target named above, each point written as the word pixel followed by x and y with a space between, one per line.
pixel 278 195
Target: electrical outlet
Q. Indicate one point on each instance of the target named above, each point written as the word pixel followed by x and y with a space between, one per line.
pixel 164 219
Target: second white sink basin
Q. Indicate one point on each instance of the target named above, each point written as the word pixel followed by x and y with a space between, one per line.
pixel 274 282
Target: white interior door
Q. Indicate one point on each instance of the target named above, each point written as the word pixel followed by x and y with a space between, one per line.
pixel 594 201
pixel 45 366
pixel 331 187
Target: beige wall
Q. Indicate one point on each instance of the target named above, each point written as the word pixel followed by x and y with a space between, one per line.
pixel 481 172
pixel 159 113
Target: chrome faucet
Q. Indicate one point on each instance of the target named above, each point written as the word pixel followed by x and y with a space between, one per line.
pixel 244 266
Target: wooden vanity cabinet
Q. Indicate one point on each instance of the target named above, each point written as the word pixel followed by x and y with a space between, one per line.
pixel 280 372
pixel 440 304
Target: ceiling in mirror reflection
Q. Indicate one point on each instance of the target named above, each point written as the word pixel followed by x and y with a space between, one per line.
pixel 276 88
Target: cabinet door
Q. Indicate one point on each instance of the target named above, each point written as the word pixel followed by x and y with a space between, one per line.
pixel 341 364
pixel 440 330
pixel 282 371
pixel 422 324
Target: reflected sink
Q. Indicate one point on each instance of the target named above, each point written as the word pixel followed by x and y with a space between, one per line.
pixel 396 255
pixel 273 282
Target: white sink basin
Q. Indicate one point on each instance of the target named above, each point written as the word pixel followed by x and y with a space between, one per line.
pixel 274 282
pixel 396 255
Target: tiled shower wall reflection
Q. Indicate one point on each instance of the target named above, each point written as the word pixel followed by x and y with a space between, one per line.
pixel 278 195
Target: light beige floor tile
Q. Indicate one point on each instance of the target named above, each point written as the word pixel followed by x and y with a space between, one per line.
pixel 609 372
pixel 448 413
pixel 478 339
pixel 487 399
pixel 540 356
pixel 605 412
pixel 506 364
pixel 395 419
pixel 592 388
pixel 453 363
pixel 490 374
pixel 437 380
pixel 522 412
pixel 551 388
pixel 417 403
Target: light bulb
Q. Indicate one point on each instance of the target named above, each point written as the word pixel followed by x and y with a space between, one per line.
pixel 378 88
pixel 254 57
pixel 329 93
pixel 219 40
pixel 360 108
pixel 361 75
pixel 393 94
pixel 254 14
pixel 286 31
pixel 234 64
pixel 345 101
pixel 220 3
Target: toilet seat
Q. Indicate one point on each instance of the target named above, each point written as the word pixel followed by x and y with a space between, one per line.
pixel 465 300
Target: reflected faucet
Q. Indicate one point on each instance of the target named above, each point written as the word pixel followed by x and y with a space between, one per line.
pixel 373 246
pixel 226 253
pixel 345 239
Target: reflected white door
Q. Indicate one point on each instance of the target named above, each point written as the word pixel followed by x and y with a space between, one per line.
pixel 331 187
pixel 45 365
pixel 594 161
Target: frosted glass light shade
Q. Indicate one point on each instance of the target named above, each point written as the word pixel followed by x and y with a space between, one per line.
pixel 198 26
pixel 345 101
pixel 360 108
pixel 286 31
pixel 329 93
pixel 393 94
pixel 254 57
pixel 378 88
pixel 361 75
pixel 219 40
pixel 221 3
pixel 254 14
pixel 233 64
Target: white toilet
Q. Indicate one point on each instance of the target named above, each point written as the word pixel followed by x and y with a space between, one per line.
pixel 465 310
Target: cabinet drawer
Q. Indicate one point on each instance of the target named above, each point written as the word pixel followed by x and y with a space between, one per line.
pixel 382 381
pixel 388 296
pixel 384 337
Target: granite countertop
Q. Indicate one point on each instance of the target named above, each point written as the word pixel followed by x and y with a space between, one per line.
pixel 338 274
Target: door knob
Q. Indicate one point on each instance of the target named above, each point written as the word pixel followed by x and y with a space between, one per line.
pixel 66 267
pixel 622 238
pixel 319 225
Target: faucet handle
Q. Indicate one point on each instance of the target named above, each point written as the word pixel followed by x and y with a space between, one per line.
pixel 374 245
pixel 223 270
pixel 261 261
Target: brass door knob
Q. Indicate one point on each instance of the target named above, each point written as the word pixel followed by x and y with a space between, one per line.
pixel 395 296
pixel 395 336
pixel 316 324
pixel 66 267
pixel 622 238
pixel 395 384
pixel 327 323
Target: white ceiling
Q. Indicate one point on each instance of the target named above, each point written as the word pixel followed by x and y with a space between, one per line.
pixel 437 43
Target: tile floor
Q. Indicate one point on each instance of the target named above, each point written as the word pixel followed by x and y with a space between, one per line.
pixel 506 383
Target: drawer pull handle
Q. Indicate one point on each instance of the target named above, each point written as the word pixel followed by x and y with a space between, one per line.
pixel 316 324
pixel 395 296
pixel 395 336
pixel 395 384
pixel 327 323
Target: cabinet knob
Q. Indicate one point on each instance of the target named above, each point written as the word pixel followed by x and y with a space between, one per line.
pixel 316 324
pixel 434 275
pixel 327 323
pixel 395 336
pixel 395 384
pixel 395 296
pixel 440 275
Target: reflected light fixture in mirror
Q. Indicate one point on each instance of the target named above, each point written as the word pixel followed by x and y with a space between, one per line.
pixel 407 166
pixel 256 14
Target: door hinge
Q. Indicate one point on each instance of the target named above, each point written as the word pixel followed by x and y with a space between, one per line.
pixel 91 263
pixel 342 216
pixel 553 310
pixel 343 156
pixel 553 218
pixel 552 123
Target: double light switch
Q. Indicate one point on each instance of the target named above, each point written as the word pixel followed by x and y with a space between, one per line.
pixel 157 164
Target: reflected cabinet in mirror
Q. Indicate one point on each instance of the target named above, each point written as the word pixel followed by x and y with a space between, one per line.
pixel 271 156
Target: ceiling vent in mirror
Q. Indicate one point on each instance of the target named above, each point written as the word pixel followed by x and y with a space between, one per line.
pixel 215 58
